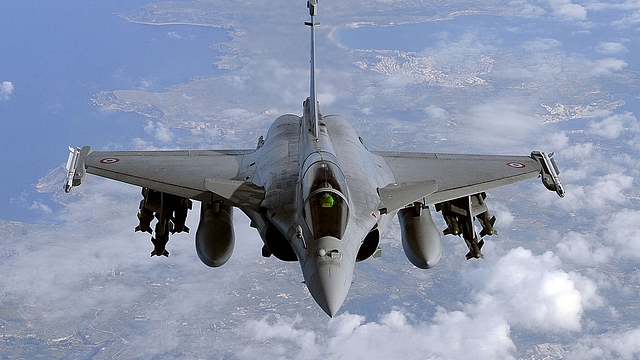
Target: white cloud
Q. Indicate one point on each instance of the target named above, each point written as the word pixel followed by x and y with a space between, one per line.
pixel 541 45
pixel 613 126
pixel 174 35
pixel 139 144
pixel 93 252
pixel 533 292
pixel 634 278
pixel 281 81
pixel 174 293
pixel 504 122
pixel 327 98
pixel 629 10
pixel 584 249
pixel 163 133
pixel 519 290
pixel 449 335
pixel 609 189
pixel 603 194
pixel 22 200
pixel 396 81
pixel 159 130
pixel 579 151
pixel 608 66
pixel 435 112
pixel 145 85
pixel 621 230
pixel 150 127
pixel 501 212
pixel 568 11
pixel 623 345
pixel 248 116
pixel 6 90
pixel 524 8
pixel 557 141
pixel 611 48
pixel 610 127
pixel 40 207
pixel 544 60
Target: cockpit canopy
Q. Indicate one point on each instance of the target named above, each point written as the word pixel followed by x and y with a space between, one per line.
pixel 326 208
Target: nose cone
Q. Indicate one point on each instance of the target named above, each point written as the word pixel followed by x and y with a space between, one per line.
pixel 329 286
pixel 327 265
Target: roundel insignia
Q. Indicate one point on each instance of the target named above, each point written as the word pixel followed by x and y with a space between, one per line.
pixel 109 160
pixel 516 165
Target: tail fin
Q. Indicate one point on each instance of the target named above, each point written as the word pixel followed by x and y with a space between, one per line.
pixel 314 111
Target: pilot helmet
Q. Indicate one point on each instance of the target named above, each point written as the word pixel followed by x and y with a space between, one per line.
pixel 327 200
pixel 325 185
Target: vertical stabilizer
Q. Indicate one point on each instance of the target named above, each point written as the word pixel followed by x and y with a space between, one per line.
pixel 312 119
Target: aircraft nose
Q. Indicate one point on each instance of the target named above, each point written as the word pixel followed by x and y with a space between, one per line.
pixel 329 286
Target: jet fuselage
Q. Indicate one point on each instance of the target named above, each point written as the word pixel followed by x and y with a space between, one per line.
pixel 321 195
pixel 315 194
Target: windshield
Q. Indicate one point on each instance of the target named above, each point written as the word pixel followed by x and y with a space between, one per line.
pixel 326 213
pixel 326 210
pixel 322 173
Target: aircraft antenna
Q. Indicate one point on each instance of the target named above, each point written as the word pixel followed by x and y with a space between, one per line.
pixel 313 104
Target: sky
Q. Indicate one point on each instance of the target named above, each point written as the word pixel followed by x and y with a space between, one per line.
pixel 55 60
pixel 560 280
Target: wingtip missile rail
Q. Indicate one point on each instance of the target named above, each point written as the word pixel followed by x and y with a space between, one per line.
pixel 75 166
pixel 549 172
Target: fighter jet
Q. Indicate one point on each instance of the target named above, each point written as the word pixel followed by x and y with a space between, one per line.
pixel 315 194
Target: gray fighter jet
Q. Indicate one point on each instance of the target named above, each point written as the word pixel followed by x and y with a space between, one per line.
pixel 315 194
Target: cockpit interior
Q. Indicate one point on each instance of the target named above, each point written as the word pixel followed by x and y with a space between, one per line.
pixel 324 190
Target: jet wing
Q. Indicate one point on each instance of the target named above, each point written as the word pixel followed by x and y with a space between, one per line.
pixel 206 175
pixel 458 175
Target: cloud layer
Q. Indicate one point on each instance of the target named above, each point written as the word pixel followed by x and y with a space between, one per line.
pixel 6 90
pixel 560 281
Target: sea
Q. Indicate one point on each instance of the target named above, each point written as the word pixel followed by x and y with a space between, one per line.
pixel 57 56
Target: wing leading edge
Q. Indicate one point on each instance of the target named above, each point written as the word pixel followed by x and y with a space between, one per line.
pixel 458 175
pixel 205 175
